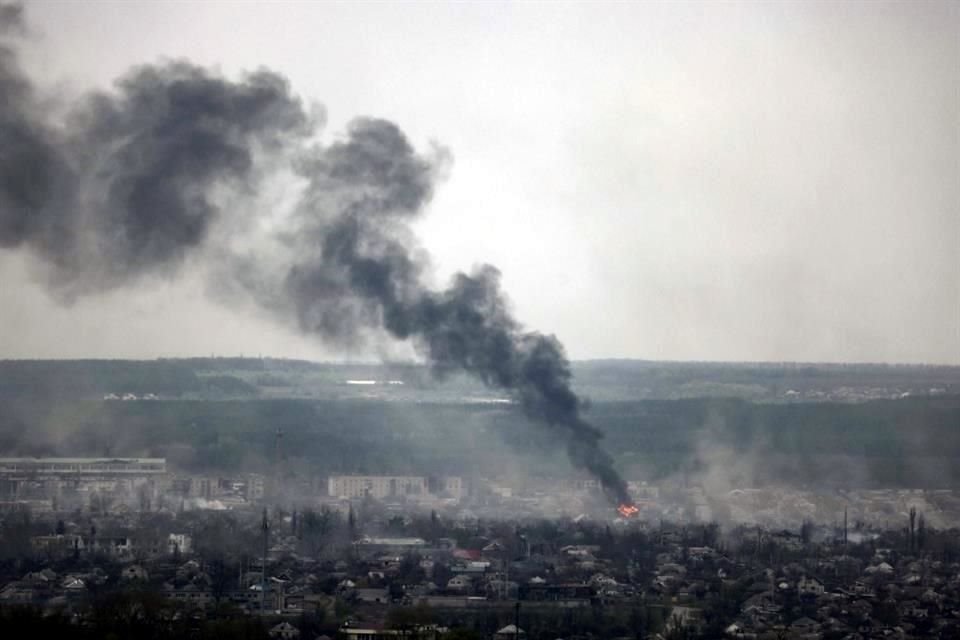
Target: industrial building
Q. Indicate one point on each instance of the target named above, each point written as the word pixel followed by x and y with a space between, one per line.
pixel 37 478
pixel 378 487
pixel 23 467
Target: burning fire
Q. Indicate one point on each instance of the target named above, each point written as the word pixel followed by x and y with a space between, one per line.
pixel 628 510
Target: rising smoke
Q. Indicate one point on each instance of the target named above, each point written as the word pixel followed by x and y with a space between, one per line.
pixel 130 185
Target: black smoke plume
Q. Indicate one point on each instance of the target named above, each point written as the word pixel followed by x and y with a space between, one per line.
pixel 130 184
pixel 124 185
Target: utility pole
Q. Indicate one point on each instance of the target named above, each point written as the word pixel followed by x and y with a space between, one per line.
pixel 277 464
pixel 844 529
pixel 505 577
pixel 516 620
pixel 265 526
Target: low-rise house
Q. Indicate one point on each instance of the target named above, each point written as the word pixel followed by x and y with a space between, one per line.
pixel 74 585
pixel 569 594
pixel 59 545
pixel 460 583
pixel 372 632
pixel 804 626
pixel 134 572
pixel 914 610
pixel 667 583
pixel 369 545
pixel 509 632
pixel 44 578
pixel 17 592
pixel 189 569
pixel 192 595
pixel 601 580
pixel 809 586
pixel 505 589
pixel 425 588
pixel 284 631
pixel 882 569
pixel 467 554
pixel 863 589
pixel 179 543
pixel 471 568
pixel 115 546
pixel 671 568
pixel 761 606
pixel 381 596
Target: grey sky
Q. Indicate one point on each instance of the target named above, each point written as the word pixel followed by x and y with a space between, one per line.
pixel 697 181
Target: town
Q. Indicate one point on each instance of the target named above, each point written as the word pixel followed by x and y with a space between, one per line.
pixel 496 320
pixel 373 557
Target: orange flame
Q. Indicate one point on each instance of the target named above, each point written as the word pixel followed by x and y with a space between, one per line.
pixel 628 510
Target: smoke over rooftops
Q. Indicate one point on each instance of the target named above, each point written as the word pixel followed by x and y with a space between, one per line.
pixel 134 183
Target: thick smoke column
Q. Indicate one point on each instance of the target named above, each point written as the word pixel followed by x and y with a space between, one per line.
pixel 355 266
pixel 123 187
pixel 127 186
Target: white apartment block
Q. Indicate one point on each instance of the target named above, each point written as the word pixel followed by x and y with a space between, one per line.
pixel 379 487
pixel 453 487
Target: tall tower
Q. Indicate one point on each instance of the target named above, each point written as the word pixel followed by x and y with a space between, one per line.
pixel 277 466
pixel 265 527
pixel 844 529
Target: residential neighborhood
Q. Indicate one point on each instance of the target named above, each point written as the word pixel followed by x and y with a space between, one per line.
pixel 366 571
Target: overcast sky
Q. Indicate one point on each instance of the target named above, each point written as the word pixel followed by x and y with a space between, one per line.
pixel 684 181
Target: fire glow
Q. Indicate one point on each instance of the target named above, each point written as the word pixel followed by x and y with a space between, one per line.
pixel 628 510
